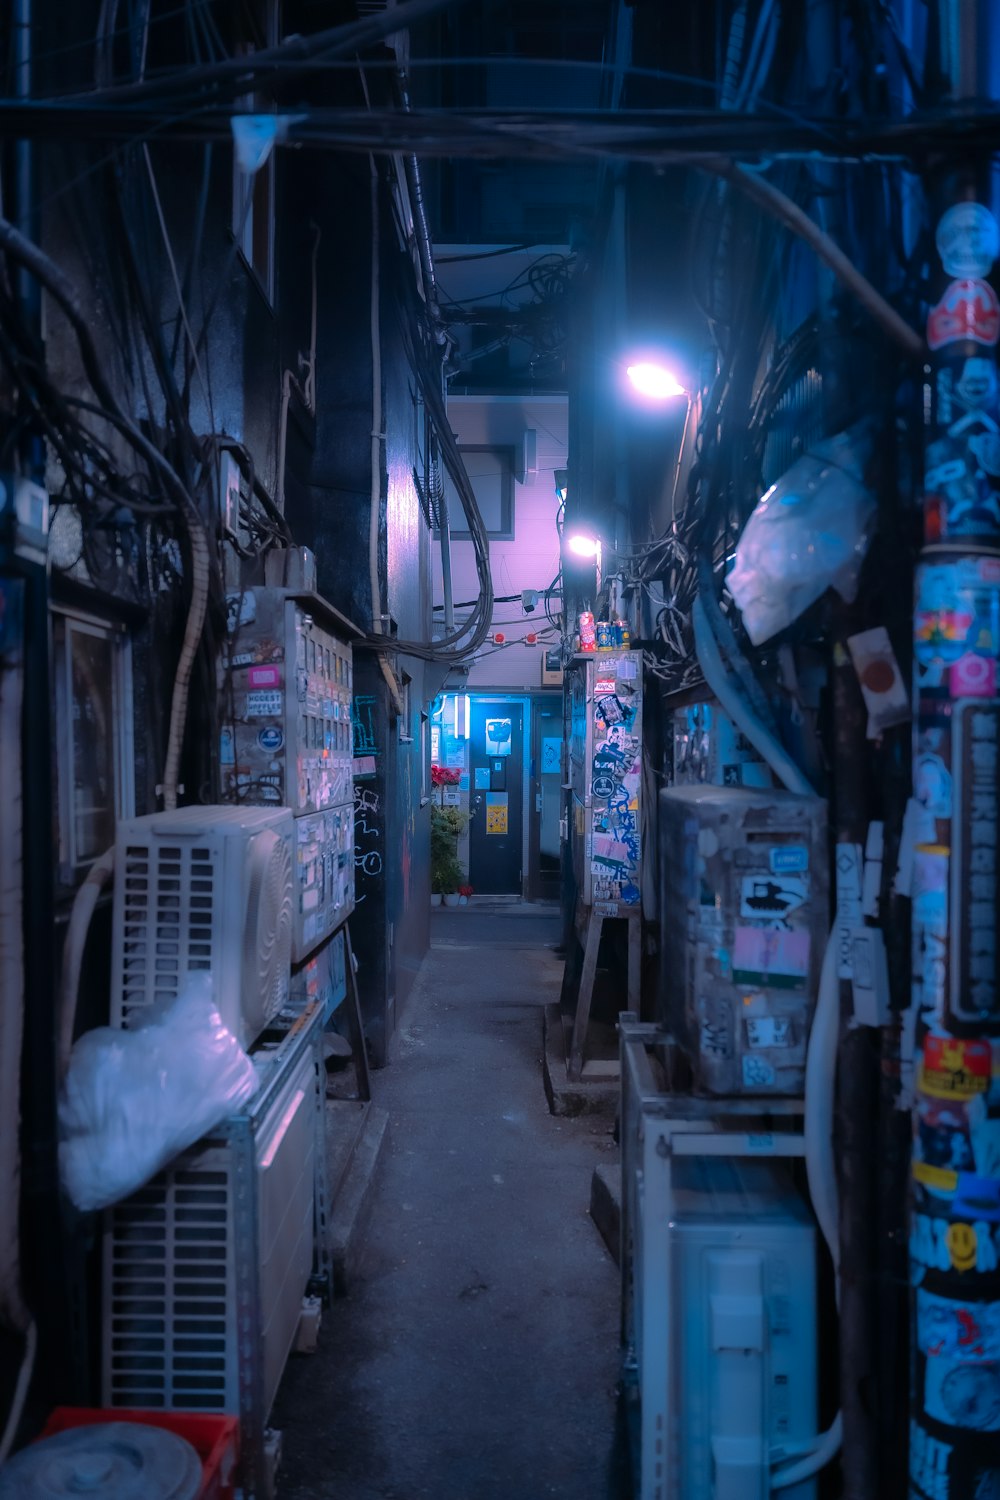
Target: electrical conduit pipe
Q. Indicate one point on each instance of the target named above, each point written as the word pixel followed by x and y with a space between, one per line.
pixel 718 679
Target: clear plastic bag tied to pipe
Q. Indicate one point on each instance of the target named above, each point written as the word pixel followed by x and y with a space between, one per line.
pixel 808 533
pixel 134 1099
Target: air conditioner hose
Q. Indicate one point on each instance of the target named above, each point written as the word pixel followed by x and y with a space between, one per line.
pixel 821 1074
pixel 84 903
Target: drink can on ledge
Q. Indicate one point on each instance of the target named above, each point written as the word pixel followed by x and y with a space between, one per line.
pixel 587 638
pixel 605 635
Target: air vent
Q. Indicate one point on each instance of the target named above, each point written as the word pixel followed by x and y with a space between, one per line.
pixel 169 1292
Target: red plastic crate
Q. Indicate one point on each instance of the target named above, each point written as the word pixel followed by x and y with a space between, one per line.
pixel 215 1439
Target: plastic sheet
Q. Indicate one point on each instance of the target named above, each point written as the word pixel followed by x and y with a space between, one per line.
pixel 809 533
pixel 133 1099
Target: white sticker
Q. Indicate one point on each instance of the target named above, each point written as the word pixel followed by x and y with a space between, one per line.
pixel 962 1394
pixel 849 910
pixel 241 609
pixel 265 705
pixel 769 1031
pixel 967 240
pixel 772 896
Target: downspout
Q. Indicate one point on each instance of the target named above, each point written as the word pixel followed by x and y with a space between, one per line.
pixel 377 439
pixel 425 255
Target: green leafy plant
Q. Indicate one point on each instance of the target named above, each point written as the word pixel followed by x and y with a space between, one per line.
pixel 447 824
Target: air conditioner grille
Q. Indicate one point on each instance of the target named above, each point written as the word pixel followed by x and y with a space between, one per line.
pixel 170 1294
pixel 169 896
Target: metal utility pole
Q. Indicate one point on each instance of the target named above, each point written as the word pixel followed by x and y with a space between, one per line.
pixel 955 1209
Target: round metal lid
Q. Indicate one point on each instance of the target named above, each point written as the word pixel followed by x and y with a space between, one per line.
pixel 106 1461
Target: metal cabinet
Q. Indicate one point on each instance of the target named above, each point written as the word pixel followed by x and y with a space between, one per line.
pixel 718 1286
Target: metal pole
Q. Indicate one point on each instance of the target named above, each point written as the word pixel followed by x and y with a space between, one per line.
pixel 955 1206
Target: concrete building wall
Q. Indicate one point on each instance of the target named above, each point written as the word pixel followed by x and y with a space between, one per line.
pixel 530 560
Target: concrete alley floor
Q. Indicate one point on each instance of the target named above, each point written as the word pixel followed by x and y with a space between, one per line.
pixel 476 1356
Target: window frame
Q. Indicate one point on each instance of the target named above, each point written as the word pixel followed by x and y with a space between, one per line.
pixel 505 533
pixel 68 622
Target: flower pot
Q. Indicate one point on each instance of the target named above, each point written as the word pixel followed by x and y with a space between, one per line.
pixel 435 898
pixel 463 900
pixel 452 898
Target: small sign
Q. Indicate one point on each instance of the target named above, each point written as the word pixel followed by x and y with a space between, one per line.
pixel 496 813
pixel 265 705
pixel 264 677
pixel 482 775
pixel 270 738
pixel 788 859
pixel 772 896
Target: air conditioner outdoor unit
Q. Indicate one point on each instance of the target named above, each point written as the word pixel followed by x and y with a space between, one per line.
pixel 204 888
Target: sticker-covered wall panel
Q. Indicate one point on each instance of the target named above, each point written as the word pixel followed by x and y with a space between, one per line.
pixel 606 758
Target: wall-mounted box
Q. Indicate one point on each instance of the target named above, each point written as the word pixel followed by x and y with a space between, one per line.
pixel 286 688
pixel 744 918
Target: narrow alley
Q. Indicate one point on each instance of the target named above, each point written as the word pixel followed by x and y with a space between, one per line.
pixel 474 1358
pixel 499 750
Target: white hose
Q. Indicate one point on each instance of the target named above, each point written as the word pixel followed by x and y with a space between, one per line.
pixel 20 1391
pixel 84 903
pixel 715 674
pixel 827 1449
pixel 821 1077
pixel 201 563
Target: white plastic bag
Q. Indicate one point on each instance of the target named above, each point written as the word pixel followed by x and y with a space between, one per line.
pixel 809 533
pixel 133 1099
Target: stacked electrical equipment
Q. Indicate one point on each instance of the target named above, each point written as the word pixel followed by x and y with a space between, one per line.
pixel 287 741
pixel 208 1269
pixel 721 1291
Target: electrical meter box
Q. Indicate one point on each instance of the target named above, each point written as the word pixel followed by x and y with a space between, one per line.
pixel 744 920
pixel 606 778
pixel 287 740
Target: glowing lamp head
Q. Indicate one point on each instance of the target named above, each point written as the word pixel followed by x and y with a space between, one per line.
pixel 653 381
pixel 582 545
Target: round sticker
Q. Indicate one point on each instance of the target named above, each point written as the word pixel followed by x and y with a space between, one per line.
pixel 270 738
pixel 967 239
pixel 603 786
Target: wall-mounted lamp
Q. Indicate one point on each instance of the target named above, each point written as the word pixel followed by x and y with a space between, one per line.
pixel 654 381
pixel 582 544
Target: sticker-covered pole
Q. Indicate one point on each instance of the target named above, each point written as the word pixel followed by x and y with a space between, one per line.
pixel 955 1220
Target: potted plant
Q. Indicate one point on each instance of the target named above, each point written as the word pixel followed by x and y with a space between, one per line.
pixel 464 892
pixel 447 825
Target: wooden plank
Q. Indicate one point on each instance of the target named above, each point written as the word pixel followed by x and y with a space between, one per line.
pixel 353 1003
pixel 635 963
pixel 582 1018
